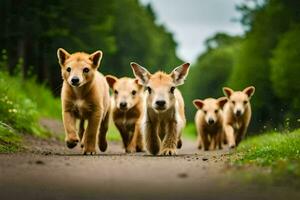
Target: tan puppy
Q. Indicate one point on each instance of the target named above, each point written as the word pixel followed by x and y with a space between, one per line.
pixel 164 118
pixel 127 111
pixel 209 122
pixel 85 96
pixel 237 114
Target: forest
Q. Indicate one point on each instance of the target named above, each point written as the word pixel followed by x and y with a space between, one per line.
pixel 266 56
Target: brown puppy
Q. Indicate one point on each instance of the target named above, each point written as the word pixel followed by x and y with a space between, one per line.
pixel 237 114
pixel 85 96
pixel 164 118
pixel 127 111
pixel 209 122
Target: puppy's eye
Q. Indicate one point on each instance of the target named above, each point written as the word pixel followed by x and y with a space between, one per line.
pixel 86 70
pixel 216 111
pixel 133 92
pixel 69 69
pixel 172 90
pixel 245 102
pixel 233 102
pixel 204 111
pixel 116 92
pixel 149 89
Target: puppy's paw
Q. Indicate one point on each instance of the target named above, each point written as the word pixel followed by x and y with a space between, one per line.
pixel 168 152
pixel 139 149
pixel 179 144
pixel 72 142
pixel 102 145
pixel 130 150
pixel 89 150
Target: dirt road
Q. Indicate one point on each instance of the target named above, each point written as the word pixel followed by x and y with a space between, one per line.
pixel 50 171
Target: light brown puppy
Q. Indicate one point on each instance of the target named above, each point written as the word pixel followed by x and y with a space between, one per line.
pixel 164 118
pixel 209 122
pixel 127 111
pixel 237 114
pixel 85 96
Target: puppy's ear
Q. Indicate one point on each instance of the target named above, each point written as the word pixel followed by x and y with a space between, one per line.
pixel 222 101
pixel 62 56
pixel 249 91
pixel 227 91
pixel 96 58
pixel 136 81
pixel 140 73
pixel 111 80
pixel 180 73
pixel 198 103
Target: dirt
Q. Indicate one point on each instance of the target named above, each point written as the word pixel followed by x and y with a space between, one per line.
pixel 48 170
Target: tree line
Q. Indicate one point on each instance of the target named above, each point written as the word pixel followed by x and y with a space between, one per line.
pixel 124 30
pixel 266 56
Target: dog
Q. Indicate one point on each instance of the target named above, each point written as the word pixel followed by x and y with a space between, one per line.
pixel 237 114
pixel 84 96
pixel 209 122
pixel 164 118
pixel 127 111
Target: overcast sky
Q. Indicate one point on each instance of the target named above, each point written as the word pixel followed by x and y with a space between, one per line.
pixel 192 21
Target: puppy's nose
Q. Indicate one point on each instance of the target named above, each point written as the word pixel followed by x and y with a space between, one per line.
pixel 75 80
pixel 160 103
pixel 238 113
pixel 211 121
pixel 123 105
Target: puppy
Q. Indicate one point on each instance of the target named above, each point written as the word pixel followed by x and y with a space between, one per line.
pixel 127 111
pixel 237 114
pixel 209 122
pixel 85 96
pixel 164 118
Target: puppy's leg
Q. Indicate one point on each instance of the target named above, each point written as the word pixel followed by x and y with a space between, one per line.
pixel 230 136
pixel 213 142
pixel 152 138
pixel 179 142
pixel 81 131
pixel 240 135
pixel 199 141
pixel 170 139
pixel 219 139
pixel 90 134
pixel 204 140
pixel 102 142
pixel 139 140
pixel 133 141
pixel 124 135
pixel 70 129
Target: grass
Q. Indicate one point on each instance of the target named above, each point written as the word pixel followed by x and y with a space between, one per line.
pixel 9 140
pixel 190 132
pixel 276 151
pixel 22 104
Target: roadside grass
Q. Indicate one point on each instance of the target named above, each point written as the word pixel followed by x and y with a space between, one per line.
pixel 9 140
pixel 190 132
pixel 276 153
pixel 22 104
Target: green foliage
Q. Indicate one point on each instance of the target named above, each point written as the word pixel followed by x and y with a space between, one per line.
pixel 280 151
pixel 285 71
pixel 210 73
pixel 9 140
pixel 124 30
pixel 267 57
pixel 190 131
pixel 22 103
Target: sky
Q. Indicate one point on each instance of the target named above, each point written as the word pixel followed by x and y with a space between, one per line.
pixel 193 21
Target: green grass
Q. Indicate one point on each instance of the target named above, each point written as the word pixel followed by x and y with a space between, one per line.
pixel 279 152
pixel 22 104
pixel 9 140
pixel 190 132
